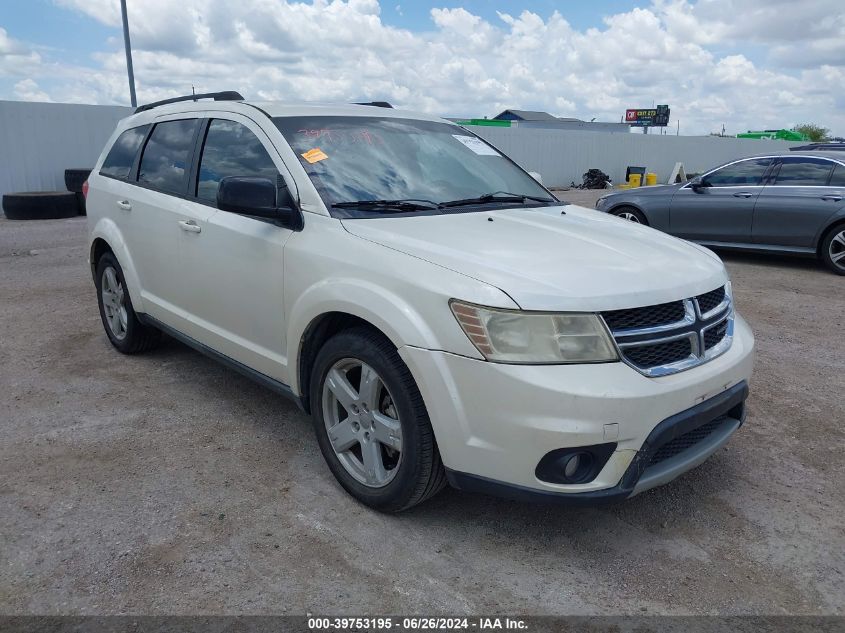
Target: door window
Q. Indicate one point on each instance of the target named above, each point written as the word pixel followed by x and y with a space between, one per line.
pixel 121 156
pixel 837 178
pixel 167 157
pixel 746 172
pixel 231 149
pixel 803 172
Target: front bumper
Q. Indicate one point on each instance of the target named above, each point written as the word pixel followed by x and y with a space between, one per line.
pixel 728 408
pixel 495 422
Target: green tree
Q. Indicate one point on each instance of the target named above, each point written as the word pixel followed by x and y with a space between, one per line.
pixel 815 133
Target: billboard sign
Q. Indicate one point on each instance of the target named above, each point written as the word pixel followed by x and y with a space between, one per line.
pixel 648 117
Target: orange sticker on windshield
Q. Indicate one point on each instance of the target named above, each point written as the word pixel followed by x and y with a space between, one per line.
pixel 314 155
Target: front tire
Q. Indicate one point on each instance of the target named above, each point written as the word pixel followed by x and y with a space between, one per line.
pixel 631 214
pixel 833 249
pixel 371 423
pixel 120 322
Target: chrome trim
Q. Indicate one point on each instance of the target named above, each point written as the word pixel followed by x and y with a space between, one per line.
pixel 694 325
pixel 689 318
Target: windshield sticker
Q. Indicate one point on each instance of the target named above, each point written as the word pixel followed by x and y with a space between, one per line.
pixel 476 145
pixel 314 155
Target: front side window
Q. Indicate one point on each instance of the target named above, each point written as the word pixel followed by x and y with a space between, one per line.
pixel 352 159
pixel 121 156
pixel 803 172
pixel 166 159
pixel 231 149
pixel 747 172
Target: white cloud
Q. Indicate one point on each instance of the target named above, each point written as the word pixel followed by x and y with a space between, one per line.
pixel 692 56
pixel 28 90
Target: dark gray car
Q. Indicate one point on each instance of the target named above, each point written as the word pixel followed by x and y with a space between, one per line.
pixel 788 203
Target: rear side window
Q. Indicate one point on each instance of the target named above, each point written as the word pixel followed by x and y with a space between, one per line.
pixel 122 154
pixel 805 172
pixel 837 179
pixel 746 172
pixel 166 160
pixel 231 149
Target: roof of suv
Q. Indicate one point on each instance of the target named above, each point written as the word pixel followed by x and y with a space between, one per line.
pixel 282 109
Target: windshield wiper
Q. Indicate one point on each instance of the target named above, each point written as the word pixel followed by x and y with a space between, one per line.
pixel 396 206
pixel 497 197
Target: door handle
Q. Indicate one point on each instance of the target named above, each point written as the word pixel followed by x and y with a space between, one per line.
pixel 743 194
pixel 124 204
pixel 190 226
pixel 832 198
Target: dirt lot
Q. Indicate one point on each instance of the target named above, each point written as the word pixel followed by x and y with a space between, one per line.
pixel 165 483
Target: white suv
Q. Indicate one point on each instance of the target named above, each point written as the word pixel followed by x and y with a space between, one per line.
pixel 439 314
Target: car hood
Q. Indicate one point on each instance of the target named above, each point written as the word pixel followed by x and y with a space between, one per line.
pixel 554 258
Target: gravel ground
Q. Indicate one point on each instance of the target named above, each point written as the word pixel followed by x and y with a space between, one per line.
pixel 167 484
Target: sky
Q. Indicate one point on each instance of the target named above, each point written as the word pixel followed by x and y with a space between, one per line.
pixel 744 64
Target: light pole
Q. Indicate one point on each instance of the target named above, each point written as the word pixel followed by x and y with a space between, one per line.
pixel 128 45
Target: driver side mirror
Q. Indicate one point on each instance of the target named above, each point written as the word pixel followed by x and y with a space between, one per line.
pixel 697 184
pixel 258 197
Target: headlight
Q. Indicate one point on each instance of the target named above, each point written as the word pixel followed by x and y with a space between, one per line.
pixel 538 338
pixel 601 202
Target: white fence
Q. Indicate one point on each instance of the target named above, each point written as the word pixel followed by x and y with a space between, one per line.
pixel 38 141
pixel 562 156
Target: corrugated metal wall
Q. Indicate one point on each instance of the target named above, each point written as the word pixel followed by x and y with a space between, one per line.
pixel 562 156
pixel 38 141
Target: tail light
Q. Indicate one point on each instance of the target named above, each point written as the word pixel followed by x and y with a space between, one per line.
pixel 85 189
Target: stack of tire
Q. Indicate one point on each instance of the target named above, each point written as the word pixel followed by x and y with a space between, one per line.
pixel 49 205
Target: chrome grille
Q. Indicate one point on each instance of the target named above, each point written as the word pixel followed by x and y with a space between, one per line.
pixel 670 337
pixel 650 316
pixel 715 334
pixel 710 300
pixel 655 355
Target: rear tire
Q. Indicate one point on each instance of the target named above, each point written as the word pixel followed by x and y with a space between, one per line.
pixel 631 214
pixel 40 205
pixel 122 326
pixel 391 475
pixel 833 249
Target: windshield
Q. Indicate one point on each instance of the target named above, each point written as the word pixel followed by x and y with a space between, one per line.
pixel 420 163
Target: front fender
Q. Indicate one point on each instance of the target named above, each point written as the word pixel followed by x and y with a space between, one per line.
pixel 106 230
pixel 377 305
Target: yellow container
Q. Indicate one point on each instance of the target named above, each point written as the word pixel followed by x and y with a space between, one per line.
pixel 635 180
pixel 650 179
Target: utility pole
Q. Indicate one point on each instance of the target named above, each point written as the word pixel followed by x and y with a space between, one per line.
pixel 128 45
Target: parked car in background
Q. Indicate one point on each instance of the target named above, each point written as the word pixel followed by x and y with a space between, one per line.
pixel 440 314
pixel 781 203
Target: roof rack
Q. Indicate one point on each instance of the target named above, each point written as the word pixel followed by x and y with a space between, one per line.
pixel 227 95
pixel 377 104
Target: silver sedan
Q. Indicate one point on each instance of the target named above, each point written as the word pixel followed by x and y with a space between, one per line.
pixel 786 203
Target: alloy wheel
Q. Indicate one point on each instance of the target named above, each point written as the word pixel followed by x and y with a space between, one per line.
pixel 362 422
pixel 114 303
pixel 627 215
pixel 837 250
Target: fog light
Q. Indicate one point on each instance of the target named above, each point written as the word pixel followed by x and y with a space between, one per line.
pixel 577 465
pixel 571 466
